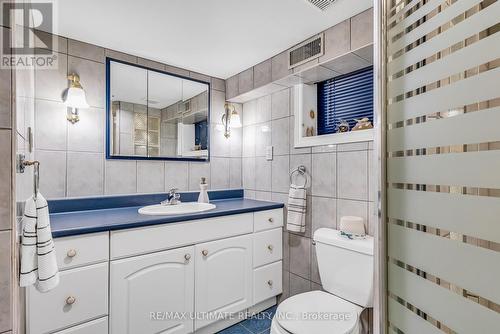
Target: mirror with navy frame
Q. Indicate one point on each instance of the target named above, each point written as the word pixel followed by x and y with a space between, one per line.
pixel 155 115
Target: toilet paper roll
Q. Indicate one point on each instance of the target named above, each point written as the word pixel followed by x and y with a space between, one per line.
pixel 352 225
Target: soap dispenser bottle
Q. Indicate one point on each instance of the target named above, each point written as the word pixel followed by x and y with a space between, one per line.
pixel 203 197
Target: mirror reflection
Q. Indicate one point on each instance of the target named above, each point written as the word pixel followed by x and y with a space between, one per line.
pixel 156 115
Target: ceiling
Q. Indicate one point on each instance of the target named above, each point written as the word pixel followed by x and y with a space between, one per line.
pixel 215 37
pixel 135 85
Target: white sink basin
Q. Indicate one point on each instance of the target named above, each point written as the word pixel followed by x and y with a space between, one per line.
pixel 177 209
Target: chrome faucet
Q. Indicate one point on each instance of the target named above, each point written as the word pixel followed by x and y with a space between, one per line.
pixel 173 197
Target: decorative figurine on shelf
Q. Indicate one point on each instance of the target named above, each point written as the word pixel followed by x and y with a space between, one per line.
pixel 362 124
pixel 343 126
pixel 310 131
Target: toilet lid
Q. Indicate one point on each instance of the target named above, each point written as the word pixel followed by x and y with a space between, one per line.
pixel 317 312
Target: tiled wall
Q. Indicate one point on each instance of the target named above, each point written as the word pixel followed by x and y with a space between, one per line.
pixel 6 208
pixel 340 181
pixel 72 156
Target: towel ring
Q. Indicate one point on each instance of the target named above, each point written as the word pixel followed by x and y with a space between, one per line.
pixel 301 170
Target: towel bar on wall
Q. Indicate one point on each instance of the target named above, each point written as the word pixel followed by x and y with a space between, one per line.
pixel 22 163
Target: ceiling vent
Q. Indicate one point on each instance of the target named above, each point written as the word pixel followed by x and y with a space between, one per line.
pixel 311 49
pixel 321 4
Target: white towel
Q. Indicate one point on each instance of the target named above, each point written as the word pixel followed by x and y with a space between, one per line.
pixel 296 221
pixel 38 256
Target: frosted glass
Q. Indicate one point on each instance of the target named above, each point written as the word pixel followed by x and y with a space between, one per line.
pixel 436 21
pixel 476 216
pixel 408 321
pixel 455 311
pixel 476 23
pixel 470 128
pixel 470 267
pixel 477 54
pixel 470 169
pixel 481 87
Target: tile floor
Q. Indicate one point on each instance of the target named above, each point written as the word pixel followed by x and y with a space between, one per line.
pixel 258 324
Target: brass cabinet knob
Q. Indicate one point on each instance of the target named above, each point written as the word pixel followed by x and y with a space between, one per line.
pixel 70 300
pixel 187 257
pixel 271 220
pixel 204 252
pixel 270 283
pixel 270 247
pixel 71 253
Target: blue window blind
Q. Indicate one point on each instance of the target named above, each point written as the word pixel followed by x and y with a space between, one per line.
pixel 345 98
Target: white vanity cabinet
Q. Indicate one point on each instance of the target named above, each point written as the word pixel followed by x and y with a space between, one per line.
pixel 144 287
pixel 168 278
pixel 82 293
pixel 223 277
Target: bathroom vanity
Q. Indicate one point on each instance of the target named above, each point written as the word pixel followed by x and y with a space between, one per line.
pixel 175 274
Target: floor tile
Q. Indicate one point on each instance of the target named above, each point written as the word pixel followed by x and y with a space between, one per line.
pixel 235 329
pixel 260 322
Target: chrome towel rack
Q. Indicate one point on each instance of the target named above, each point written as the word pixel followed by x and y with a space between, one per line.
pixel 301 170
pixel 22 163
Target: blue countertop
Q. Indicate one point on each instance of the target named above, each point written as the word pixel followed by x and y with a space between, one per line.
pixel 66 223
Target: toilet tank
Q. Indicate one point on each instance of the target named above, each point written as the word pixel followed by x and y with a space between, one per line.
pixel 345 266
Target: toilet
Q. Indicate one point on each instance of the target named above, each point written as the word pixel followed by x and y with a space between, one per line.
pixel 346 271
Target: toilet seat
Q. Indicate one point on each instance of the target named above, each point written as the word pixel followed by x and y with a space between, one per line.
pixel 316 312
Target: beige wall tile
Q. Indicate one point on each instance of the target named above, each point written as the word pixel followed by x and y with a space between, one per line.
pixel 92 77
pixel 120 177
pixel 298 285
pixel 219 173
pixel 151 64
pixel 232 87
pixel 51 84
pixel 337 41
pixel 85 174
pixel 300 256
pixel 218 84
pixel 5 179
pixel 245 81
pixel 5 97
pixel 85 50
pixel 59 43
pixel 5 282
pixel 199 76
pixel 279 66
pixel 176 70
pixel 262 73
pixel 52 173
pixel 362 29
pixel 120 56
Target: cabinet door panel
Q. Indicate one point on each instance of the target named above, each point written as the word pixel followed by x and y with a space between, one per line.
pixel 143 288
pixel 223 277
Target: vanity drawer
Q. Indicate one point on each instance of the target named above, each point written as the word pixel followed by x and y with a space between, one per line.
pixel 99 326
pixel 266 220
pixel 54 310
pixel 267 282
pixel 267 247
pixel 145 240
pixel 80 250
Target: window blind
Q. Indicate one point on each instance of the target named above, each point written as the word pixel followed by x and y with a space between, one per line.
pixel 345 98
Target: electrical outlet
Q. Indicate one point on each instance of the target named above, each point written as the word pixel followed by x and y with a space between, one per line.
pixel 269 153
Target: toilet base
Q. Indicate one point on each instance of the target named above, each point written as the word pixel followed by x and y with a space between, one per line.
pixel 277 329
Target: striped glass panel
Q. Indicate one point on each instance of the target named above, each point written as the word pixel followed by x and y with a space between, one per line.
pixel 443 166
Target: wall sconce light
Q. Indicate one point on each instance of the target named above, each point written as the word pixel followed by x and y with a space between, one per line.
pixel 230 119
pixel 75 98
